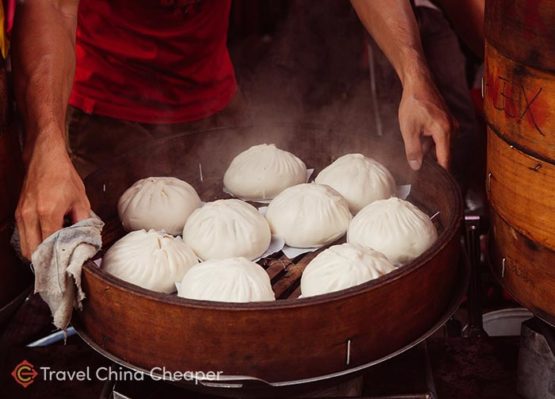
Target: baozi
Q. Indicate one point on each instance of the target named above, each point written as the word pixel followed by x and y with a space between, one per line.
pixel 360 180
pixel 394 227
pixel 227 229
pixel 227 280
pixel 159 203
pixel 149 259
pixel 262 172
pixel 343 266
pixel 309 215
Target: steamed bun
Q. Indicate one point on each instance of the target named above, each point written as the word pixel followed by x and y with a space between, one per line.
pixel 262 172
pixel 227 280
pixel 394 227
pixel 149 259
pixel 343 266
pixel 227 229
pixel 159 203
pixel 309 215
pixel 360 180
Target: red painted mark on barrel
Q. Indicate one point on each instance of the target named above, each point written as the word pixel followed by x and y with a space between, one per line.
pixel 516 101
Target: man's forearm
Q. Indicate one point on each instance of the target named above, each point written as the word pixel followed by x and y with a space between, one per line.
pixel 393 26
pixel 44 65
pixel 422 112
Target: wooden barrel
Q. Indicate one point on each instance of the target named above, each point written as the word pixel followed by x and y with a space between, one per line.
pixel 519 102
pixel 15 278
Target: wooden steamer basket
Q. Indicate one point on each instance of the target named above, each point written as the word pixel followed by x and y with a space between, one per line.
pixel 519 101
pixel 289 341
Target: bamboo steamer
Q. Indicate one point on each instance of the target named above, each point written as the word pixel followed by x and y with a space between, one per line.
pixel 533 286
pixel 519 102
pixel 289 341
pixel 521 189
pixel 520 105
pixel 16 278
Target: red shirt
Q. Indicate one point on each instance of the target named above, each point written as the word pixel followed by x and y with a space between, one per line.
pixel 153 61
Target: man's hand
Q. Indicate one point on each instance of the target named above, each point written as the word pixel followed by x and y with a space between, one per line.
pixel 51 190
pixel 422 112
pixel 43 55
pixel 423 117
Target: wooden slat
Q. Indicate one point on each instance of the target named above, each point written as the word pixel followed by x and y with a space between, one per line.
pixel 295 293
pixel 276 267
pixel 520 189
pixel 287 283
pixel 524 268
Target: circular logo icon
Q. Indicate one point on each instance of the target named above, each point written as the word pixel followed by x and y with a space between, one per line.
pixel 24 373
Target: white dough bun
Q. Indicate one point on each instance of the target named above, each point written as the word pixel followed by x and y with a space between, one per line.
pixel 394 227
pixel 227 229
pixel 159 203
pixel 309 215
pixel 262 172
pixel 343 266
pixel 359 179
pixel 149 259
pixel 227 280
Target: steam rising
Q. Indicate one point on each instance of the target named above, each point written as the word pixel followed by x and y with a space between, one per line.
pixel 315 72
pixel 306 89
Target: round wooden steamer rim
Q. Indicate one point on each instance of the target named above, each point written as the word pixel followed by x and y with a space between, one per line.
pixel 450 230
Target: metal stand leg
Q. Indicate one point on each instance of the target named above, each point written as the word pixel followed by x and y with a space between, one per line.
pixel 472 241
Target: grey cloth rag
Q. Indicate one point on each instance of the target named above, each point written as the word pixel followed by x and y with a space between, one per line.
pixel 58 261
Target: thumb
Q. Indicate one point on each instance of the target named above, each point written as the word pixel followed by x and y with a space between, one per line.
pixel 441 140
pixel 80 212
pixel 413 150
